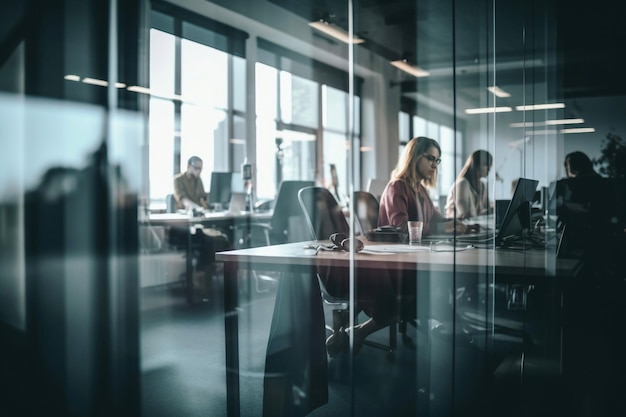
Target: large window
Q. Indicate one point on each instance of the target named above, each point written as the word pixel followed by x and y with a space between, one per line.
pixel 302 121
pixel 197 98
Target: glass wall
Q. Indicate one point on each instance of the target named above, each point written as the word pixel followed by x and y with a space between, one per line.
pixel 510 303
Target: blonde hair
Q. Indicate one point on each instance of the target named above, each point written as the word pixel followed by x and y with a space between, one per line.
pixel 406 169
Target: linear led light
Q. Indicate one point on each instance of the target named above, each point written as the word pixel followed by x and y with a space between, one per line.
pixel 236 141
pixel 498 92
pixel 102 83
pixel 414 70
pixel 72 77
pixel 335 32
pixel 578 130
pixel 138 89
pixel 545 106
pixel 548 123
pixel 482 110
pixel 564 122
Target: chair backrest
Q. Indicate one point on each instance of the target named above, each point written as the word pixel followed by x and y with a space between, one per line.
pixel 287 213
pixel 366 209
pixel 322 213
pixel 376 186
pixel 170 203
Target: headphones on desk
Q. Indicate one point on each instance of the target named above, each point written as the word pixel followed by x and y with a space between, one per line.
pixel 343 242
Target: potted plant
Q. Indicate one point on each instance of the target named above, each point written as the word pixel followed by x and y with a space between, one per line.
pixel 612 163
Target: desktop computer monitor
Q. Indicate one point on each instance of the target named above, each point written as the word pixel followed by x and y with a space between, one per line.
pixel 220 191
pixel 517 215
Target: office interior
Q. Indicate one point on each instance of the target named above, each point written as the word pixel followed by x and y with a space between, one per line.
pixel 104 101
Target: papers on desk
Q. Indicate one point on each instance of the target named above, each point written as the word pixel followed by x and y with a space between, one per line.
pixel 403 248
pixel 392 249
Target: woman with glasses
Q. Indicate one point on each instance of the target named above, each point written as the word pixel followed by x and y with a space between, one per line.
pixel 468 196
pixel 406 196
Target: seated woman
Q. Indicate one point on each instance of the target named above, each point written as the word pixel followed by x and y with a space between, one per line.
pixel 406 196
pixel 384 298
pixel 469 196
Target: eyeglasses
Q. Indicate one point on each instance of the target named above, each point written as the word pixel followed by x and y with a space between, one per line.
pixel 197 168
pixel 432 160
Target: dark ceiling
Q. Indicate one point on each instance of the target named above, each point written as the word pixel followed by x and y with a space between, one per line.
pixel 585 48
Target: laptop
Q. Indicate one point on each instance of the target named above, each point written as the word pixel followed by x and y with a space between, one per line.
pixel 237 202
pixel 512 221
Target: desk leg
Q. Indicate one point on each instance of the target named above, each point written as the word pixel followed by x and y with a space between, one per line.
pixel 231 330
pixel 189 269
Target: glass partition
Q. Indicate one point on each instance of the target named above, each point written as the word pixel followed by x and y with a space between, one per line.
pixel 126 290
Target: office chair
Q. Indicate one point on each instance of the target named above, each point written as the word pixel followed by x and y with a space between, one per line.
pixel 366 208
pixel 281 229
pixel 324 217
pixel 283 226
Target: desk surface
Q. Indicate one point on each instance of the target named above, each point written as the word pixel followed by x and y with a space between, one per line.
pixel 531 263
pixel 173 218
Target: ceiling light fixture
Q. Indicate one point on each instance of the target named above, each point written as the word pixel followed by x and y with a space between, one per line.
pixel 138 89
pixel 564 122
pixel 498 92
pixel 335 31
pixel 578 130
pixel 545 106
pixel 72 77
pixel 483 110
pixel 414 70
pixel 548 123
pixel 102 83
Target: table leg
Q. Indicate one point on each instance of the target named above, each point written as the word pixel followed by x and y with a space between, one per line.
pixel 231 330
pixel 189 268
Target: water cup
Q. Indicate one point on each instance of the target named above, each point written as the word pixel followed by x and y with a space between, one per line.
pixel 415 232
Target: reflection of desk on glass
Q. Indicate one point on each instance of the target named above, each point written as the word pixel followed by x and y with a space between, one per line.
pixel 223 221
pixel 508 266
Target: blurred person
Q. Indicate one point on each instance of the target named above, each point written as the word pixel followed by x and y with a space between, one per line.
pixel 469 196
pixel 406 196
pixel 188 187
pixel 577 164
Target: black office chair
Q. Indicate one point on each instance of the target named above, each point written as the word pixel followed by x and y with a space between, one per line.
pixel 366 208
pixel 324 217
pixel 285 224
pixel 286 214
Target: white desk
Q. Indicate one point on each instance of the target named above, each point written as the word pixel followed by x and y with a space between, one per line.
pixel 514 266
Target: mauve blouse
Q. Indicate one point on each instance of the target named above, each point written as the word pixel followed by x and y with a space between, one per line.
pixel 399 204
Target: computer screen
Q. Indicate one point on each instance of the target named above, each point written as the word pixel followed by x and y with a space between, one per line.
pixel 220 190
pixel 512 223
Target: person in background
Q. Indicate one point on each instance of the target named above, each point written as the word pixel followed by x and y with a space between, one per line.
pixel 190 195
pixel 406 196
pixel 188 187
pixel 469 197
pixel 577 165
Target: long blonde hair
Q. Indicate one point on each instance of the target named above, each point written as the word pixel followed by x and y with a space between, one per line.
pixel 407 164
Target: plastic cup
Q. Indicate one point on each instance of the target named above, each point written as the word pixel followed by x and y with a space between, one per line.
pixel 415 232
